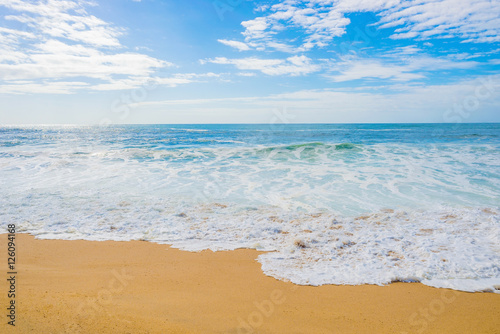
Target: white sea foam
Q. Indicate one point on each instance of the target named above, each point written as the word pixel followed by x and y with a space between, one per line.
pixel 447 247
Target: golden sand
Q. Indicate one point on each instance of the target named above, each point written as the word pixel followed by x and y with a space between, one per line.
pixel 141 287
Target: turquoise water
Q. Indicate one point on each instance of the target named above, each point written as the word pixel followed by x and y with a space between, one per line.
pixel 159 137
pixel 230 186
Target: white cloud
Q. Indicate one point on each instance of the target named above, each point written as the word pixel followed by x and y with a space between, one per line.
pixel 282 47
pixel 55 59
pixel 469 20
pixel 322 20
pixel 129 83
pixel 256 28
pixel 235 44
pixel 61 48
pixel 294 66
pixel 405 50
pixel 397 65
pixel 426 63
pixel 246 74
pixel 64 19
pixel 44 87
pixel 374 69
pixel 319 20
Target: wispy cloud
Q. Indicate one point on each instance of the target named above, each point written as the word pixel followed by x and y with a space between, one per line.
pixel 128 83
pixel 361 69
pixel 42 87
pixel 399 64
pixel 294 66
pixel 235 44
pixel 404 103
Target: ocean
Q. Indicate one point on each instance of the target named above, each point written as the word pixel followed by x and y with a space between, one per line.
pixel 331 203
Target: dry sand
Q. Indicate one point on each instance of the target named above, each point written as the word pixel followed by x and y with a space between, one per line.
pixel 141 287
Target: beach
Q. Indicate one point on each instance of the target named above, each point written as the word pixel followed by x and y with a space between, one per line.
pixel 141 287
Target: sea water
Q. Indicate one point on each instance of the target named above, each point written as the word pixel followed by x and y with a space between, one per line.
pixel 333 204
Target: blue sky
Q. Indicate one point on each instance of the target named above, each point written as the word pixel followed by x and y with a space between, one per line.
pixel 239 61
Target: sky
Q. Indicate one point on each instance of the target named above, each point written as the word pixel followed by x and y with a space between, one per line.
pixel 240 61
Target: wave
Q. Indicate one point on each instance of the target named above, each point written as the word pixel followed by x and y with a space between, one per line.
pixel 189 130
pixel 315 146
pixel 471 136
pixel 347 146
pixel 10 143
pixel 307 151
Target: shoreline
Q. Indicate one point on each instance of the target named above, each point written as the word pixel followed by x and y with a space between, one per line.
pixel 141 287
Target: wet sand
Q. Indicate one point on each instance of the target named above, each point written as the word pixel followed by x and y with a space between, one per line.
pixel 141 287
